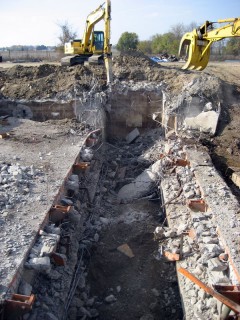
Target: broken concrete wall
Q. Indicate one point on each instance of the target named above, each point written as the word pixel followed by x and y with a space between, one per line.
pixel 38 110
pixel 90 109
pixel 133 107
pixel 196 107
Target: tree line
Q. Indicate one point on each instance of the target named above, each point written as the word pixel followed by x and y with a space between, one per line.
pixel 169 42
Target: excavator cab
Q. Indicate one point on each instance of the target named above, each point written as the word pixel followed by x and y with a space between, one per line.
pixel 98 42
pixel 195 46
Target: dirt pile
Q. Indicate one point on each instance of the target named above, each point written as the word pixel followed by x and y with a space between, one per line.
pixel 59 82
pixel 45 81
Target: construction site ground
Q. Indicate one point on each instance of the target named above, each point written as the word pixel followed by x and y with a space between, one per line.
pixel 116 264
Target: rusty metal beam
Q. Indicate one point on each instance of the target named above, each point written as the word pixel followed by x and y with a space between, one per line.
pixel 229 291
pixel 228 302
pixel 81 166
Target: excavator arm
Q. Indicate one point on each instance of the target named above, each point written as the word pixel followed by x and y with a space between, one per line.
pixel 107 44
pixel 92 19
pixel 196 44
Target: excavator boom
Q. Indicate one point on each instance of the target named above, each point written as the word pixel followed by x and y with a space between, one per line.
pixel 196 44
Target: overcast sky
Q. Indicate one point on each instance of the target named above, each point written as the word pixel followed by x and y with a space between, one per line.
pixel 33 22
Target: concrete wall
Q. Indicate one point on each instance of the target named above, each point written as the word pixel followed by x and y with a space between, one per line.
pixel 132 109
pixel 39 111
pixel 30 55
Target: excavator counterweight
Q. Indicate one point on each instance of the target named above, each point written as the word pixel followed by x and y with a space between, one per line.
pixel 196 44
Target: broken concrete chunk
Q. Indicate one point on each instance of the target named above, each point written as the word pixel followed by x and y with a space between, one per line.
pixel 125 249
pixel 86 154
pixel 48 246
pixel 181 228
pixel 199 216
pixel 110 299
pixel 215 264
pixel 190 194
pixel 104 221
pixel 170 233
pixel 159 233
pixel 74 177
pixel 72 185
pixel 210 240
pixel 132 135
pixel 25 288
pixel 217 277
pixel 213 249
pixel 205 122
pixel 39 264
pixel 141 185
pixel 52 229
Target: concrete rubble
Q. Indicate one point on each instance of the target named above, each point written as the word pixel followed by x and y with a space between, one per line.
pixel 204 230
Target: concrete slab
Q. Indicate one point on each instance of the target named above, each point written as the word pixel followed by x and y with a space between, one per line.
pixel 236 178
pixel 132 135
pixel 50 150
pixel 222 223
pixel 205 122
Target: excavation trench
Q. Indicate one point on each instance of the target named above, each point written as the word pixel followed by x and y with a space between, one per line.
pixel 108 263
pixel 125 277
pixel 113 270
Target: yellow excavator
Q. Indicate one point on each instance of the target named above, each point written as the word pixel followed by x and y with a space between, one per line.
pixel 196 44
pixel 94 47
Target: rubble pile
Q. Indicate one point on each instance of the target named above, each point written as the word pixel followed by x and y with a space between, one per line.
pixel 193 236
pixel 16 185
pixel 16 190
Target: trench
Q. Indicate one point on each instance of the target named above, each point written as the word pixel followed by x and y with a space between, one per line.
pixel 135 284
pixel 114 269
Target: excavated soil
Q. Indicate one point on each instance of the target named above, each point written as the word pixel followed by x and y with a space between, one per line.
pixel 58 82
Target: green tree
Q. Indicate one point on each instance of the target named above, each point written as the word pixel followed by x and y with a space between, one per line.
pixel 128 40
pixel 145 46
pixel 233 47
pixel 41 47
pixel 165 43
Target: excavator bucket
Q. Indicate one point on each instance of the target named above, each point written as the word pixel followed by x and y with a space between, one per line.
pixel 196 51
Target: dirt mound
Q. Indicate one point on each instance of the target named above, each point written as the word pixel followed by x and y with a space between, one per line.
pixel 133 58
pixel 45 81
pixel 59 82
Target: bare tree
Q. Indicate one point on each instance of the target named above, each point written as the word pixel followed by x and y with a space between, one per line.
pixel 66 34
pixel 178 30
pixel 191 26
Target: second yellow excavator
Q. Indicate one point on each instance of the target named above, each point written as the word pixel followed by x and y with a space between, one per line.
pixel 94 47
pixel 196 44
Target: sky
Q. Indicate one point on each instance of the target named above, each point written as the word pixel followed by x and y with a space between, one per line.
pixel 32 22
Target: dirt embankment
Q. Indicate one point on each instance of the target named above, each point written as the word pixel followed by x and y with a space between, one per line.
pixel 57 82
